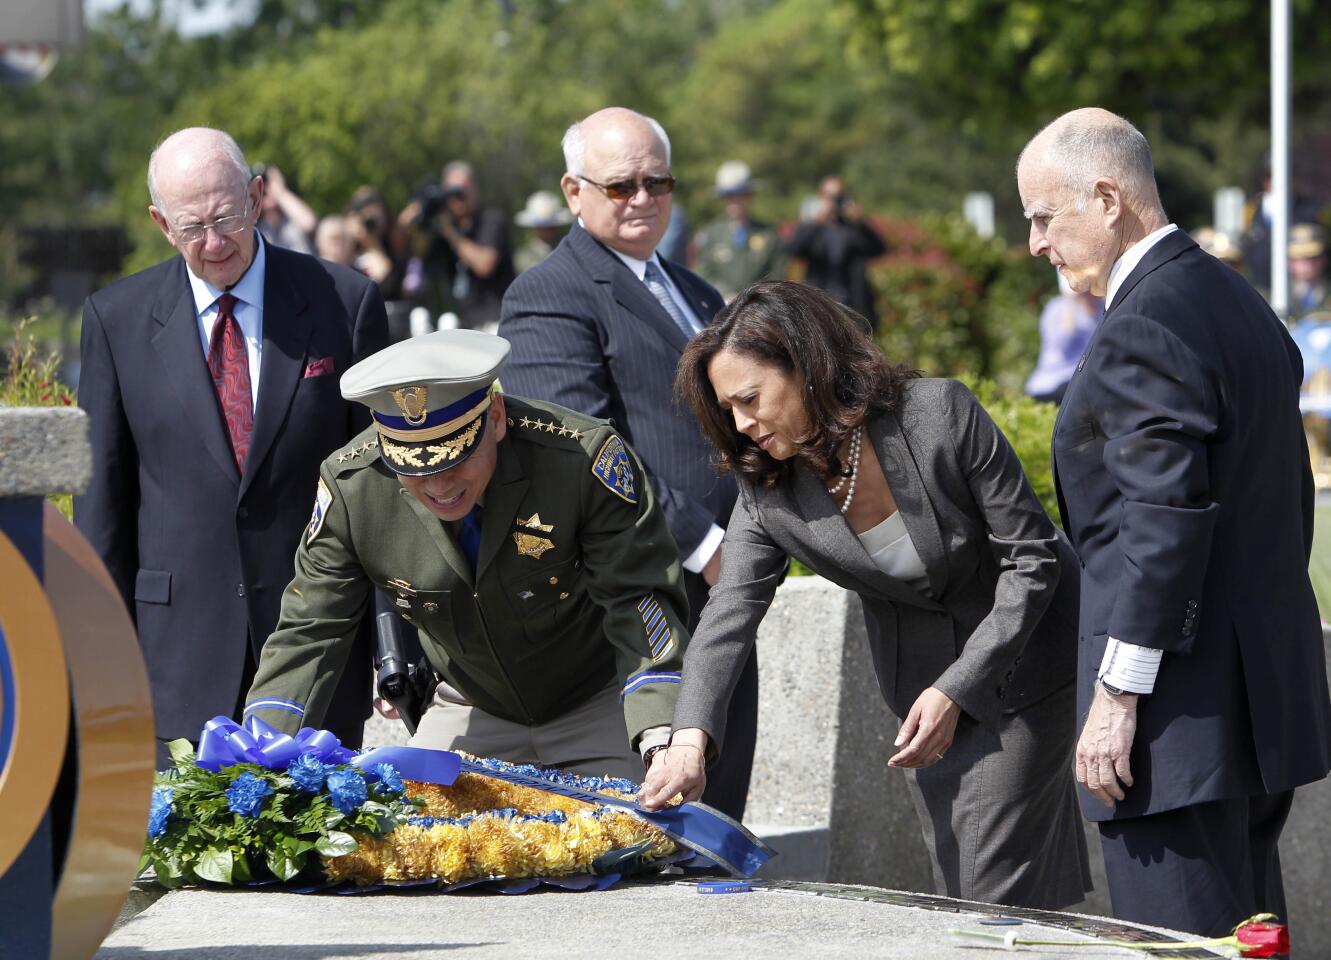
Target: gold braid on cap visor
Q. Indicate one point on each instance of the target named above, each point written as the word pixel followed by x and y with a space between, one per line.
pixel 448 450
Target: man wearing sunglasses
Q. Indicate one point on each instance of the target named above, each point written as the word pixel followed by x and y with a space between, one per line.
pixel 599 326
pixel 210 383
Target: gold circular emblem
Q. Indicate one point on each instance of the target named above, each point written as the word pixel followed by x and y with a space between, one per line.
pixel 34 703
pixel 414 402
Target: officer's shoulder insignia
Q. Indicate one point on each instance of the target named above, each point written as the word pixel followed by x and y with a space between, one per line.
pixel 613 467
pixel 323 499
pixel 358 453
pixel 539 425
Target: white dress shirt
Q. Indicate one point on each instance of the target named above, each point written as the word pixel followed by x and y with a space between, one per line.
pixel 1128 666
pixel 248 311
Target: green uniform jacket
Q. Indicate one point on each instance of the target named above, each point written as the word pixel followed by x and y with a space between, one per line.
pixel 729 268
pixel 578 580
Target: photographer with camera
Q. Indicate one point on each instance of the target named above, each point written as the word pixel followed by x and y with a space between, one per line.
pixel 468 258
pixel 836 246
pixel 379 246
pixel 287 220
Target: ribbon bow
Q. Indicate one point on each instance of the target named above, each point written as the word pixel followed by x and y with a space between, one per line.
pixel 225 742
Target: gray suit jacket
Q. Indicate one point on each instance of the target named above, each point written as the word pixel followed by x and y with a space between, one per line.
pixel 996 630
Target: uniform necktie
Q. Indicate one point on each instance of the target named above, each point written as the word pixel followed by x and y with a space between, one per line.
pixel 655 281
pixel 229 363
pixel 469 535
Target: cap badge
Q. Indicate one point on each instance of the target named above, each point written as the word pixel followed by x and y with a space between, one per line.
pixel 413 402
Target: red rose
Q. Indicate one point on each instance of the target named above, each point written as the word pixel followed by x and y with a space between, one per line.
pixel 1258 939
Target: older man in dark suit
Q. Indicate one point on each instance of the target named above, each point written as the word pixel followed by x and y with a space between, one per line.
pixel 599 327
pixel 210 383
pixel 1184 483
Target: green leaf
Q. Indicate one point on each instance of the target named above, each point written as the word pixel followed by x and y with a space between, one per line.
pixel 240 867
pixel 283 864
pixel 182 752
pixel 215 865
pixel 336 844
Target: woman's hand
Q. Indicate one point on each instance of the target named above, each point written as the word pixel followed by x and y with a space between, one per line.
pixel 679 768
pixel 927 731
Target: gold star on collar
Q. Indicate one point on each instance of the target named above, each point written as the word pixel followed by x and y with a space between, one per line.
pixel 525 421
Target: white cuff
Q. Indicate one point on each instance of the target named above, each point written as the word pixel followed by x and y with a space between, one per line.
pixel 653 737
pixel 1129 667
pixel 710 544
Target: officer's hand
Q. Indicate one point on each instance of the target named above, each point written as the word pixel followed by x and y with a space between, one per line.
pixel 386 709
pixel 1105 745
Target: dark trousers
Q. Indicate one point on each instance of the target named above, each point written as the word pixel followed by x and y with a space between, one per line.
pixel 728 782
pixel 1202 868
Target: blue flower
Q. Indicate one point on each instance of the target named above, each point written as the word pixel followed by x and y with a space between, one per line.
pixel 159 814
pixel 246 794
pixel 308 772
pixel 347 790
pixel 390 781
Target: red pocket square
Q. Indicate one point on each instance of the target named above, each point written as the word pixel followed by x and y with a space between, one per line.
pixel 317 368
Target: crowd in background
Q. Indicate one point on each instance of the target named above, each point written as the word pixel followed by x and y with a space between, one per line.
pixel 446 259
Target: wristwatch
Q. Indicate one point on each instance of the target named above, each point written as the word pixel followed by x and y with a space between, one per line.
pixel 1110 688
pixel 651 752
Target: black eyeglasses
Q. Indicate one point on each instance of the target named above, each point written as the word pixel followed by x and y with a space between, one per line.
pixel 628 189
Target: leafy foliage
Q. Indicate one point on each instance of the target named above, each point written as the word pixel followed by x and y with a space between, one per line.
pixel 998 70
pixel 952 303
pixel 245 822
pixel 31 379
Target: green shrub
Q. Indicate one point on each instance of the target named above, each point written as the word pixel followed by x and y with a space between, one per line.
pixel 953 304
pixel 31 380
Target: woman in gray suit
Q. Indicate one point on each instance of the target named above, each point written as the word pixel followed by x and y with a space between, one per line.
pixel 905 492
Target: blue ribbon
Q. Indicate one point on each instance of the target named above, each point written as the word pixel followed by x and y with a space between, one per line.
pixel 693 825
pixel 225 742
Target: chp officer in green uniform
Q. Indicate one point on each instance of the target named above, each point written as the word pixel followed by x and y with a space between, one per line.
pixel 735 250
pixel 523 542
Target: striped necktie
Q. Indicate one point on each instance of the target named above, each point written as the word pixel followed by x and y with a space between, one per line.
pixel 655 281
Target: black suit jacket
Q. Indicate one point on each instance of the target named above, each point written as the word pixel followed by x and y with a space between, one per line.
pixel 588 334
pixel 201 552
pixel 1183 479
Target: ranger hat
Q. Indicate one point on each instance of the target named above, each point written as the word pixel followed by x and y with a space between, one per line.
pixel 544 209
pixel 734 179
pixel 428 397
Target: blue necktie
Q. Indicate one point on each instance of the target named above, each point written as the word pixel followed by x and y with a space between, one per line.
pixel 655 281
pixel 469 535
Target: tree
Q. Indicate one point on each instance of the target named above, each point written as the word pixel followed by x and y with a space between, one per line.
pixel 1192 74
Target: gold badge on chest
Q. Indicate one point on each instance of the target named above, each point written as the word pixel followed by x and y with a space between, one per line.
pixel 528 537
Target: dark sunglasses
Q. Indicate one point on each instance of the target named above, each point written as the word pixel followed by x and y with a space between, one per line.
pixel 628 189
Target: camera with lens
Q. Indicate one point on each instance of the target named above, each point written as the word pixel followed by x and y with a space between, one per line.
pixel 432 196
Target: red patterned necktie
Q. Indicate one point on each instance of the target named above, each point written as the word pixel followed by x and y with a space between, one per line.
pixel 229 363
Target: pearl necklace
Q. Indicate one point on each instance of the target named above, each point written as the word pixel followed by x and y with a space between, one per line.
pixel 853 476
